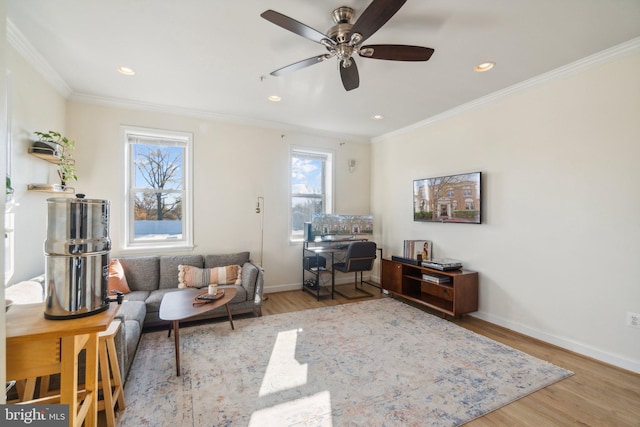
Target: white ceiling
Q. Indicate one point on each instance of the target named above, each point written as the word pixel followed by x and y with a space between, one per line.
pixel 207 56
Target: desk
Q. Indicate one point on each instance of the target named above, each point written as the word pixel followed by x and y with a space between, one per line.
pixel 37 347
pixel 314 268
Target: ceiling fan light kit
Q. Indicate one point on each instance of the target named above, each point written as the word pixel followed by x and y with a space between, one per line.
pixel 344 39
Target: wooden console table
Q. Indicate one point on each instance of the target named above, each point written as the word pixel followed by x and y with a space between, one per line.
pixel 456 298
pixel 38 347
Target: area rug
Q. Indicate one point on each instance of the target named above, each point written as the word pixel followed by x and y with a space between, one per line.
pixel 371 363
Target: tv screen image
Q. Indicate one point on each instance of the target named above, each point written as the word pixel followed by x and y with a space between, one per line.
pixel 452 198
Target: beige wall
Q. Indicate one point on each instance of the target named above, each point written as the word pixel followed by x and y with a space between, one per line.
pixel 558 249
pixel 233 165
pixel 35 106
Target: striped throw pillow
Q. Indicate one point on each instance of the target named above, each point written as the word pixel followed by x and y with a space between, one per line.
pixel 194 277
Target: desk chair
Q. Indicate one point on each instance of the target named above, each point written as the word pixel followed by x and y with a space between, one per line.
pixel 359 257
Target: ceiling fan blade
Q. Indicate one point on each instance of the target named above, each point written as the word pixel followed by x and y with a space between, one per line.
pixel 300 64
pixel 375 16
pixel 349 75
pixel 396 52
pixel 294 26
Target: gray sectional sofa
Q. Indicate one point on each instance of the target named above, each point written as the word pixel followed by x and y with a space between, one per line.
pixel 151 277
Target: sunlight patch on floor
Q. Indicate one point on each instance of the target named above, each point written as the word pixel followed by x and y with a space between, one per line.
pixel 311 410
pixel 284 372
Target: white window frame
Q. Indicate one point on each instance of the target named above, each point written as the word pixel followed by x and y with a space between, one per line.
pixel 134 135
pixel 329 180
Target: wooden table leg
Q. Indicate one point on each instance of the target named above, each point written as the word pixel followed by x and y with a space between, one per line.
pixel 29 389
pixel 176 337
pixel 70 348
pixel 91 380
pixel 69 377
pixel 229 313
pixel 107 395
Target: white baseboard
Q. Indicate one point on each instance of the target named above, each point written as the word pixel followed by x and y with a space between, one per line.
pixel 282 288
pixel 568 344
pixel 298 286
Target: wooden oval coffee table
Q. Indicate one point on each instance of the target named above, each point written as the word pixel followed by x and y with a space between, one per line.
pixel 178 305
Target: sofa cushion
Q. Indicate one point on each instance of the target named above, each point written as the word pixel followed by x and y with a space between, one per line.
pixel 241 294
pixel 132 315
pixel 239 258
pixel 169 268
pixel 137 296
pixel 132 310
pixel 117 279
pixel 142 273
pixel 249 278
pixel 194 277
pixel 155 298
pixel 133 332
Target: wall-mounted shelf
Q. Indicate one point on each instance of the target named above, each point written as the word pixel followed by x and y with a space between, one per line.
pixel 49 155
pixel 51 188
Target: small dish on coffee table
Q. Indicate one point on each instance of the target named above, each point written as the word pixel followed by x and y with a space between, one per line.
pixel 205 296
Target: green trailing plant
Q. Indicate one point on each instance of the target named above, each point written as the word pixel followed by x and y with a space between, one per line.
pixel 67 166
pixel 9 188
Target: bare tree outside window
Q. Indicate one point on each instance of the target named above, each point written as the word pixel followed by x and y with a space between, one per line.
pixel 160 168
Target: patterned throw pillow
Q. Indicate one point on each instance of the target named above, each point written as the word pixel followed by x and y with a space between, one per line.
pixel 117 279
pixel 194 277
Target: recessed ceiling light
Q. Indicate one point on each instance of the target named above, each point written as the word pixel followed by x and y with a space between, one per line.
pixel 485 66
pixel 377 117
pixel 126 71
pixel 275 98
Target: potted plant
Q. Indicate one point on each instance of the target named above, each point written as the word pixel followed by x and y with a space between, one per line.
pixel 9 189
pixel 67 165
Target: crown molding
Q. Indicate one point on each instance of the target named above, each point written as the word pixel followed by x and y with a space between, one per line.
pixel 206 115
pixel 20 43
pixel 608 55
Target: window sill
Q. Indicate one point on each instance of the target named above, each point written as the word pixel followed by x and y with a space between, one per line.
pixel 157 249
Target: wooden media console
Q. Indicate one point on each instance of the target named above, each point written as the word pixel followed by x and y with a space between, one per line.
pixel 458 297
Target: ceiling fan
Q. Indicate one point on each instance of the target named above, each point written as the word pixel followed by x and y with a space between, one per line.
pixel 344 39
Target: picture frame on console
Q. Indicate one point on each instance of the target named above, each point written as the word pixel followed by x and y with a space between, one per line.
pixel 413 248
pixel 450 198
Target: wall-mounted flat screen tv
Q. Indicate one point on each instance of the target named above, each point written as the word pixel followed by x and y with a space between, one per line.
pixel 453 198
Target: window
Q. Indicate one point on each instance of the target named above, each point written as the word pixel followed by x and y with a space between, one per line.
pixel 311 187
pixel 158 189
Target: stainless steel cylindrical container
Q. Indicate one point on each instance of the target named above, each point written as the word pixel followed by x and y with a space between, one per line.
pixel 76 257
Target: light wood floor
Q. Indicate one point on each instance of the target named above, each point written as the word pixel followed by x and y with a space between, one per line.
pixel 596 395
